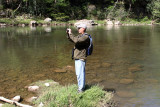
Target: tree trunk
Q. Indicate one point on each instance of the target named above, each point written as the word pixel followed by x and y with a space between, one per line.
pixel 129 10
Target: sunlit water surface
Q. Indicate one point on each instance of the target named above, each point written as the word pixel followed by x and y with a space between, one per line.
pixel 121 53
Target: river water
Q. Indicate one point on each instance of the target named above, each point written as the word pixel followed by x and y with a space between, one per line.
pixel 125 60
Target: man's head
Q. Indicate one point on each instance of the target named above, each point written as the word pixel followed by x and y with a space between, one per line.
pixel 82 28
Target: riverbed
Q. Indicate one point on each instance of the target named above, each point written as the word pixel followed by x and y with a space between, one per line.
pixel 125 60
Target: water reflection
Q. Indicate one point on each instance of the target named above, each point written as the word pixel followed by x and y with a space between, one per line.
pixel 125 60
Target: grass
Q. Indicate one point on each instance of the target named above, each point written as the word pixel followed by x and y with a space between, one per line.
pixel 67 96
pixel 8 105
pixel 137 21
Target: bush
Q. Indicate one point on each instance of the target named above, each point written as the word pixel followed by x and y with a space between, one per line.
pixel 60 17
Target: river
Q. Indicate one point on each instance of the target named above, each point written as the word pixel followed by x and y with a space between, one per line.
pixel 125 60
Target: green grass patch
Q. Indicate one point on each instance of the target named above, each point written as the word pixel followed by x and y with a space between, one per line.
pixel 8 105
pixel 67 96
pixel 137 21
pixel 100 22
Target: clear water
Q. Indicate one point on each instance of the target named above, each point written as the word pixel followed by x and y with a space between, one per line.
pixel 120 52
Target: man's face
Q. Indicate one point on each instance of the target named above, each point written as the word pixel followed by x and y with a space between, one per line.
pixel 81 30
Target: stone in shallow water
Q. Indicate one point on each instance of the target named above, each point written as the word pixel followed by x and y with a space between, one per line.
pixel 135 68
pixel 33 88
pixel 126 94
pixel 106 64
pixel 126 81
pixel 31 99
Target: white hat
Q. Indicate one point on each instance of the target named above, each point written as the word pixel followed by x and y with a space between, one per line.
pixel 82 26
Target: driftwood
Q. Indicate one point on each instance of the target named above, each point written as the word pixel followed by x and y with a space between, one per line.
pixel 13 102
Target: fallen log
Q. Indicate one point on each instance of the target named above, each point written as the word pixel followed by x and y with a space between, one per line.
pixel 13 102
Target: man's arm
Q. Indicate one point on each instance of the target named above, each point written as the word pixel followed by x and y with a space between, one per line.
pixel 76 39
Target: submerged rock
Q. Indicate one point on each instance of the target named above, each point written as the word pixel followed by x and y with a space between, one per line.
pixel 33 88
pixel 126 81
pixel 106 64
pixel 126 94
pixel 135 68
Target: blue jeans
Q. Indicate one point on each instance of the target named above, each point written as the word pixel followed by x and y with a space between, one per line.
pixel 80 72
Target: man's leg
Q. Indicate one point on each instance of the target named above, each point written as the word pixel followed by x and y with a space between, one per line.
pixel 80 72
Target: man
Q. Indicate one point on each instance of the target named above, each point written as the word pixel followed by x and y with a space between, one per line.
pixel 81 42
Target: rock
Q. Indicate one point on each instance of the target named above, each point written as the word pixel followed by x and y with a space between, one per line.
pixel 33 88
pixel 117 23
pixel 125 94
pixel 1 105
pixel 135 68
pixel 33 23
pixel 31 99
pixel 47 84
pixel 105 64
pixel 48 20
pixel 2 24
pixel 85 21
pixel 126 81
pixel 16 98
pixel 60 70
pixel 109 22
pixel 41 105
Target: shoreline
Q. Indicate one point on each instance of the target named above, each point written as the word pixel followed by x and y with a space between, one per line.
pixel 5 22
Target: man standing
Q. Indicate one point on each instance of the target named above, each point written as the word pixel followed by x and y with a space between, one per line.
pixel 79 53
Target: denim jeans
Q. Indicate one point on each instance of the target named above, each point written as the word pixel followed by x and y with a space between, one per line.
pixel 80 72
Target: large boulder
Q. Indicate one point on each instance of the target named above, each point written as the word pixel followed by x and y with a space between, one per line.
pixel 48 20
pixel 85 21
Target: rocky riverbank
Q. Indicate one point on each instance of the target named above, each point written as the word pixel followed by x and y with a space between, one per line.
pixel 48 22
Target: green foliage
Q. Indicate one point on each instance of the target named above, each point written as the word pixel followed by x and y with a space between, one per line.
pixel 118 12
pixel 156 9
pixel 63 10
pixel 60 17
pixel 1 7
pixel 64 96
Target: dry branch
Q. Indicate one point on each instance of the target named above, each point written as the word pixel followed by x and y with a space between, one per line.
pixel 13 102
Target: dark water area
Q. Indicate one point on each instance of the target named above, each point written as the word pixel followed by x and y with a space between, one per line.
pixel 125 59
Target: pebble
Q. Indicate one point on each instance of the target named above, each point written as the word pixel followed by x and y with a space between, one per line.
pixel 47 84
pixel 33 88
pixel 16 98
pixel 41 105
pixel 126 81
pixel 30 99
pixel 125 94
